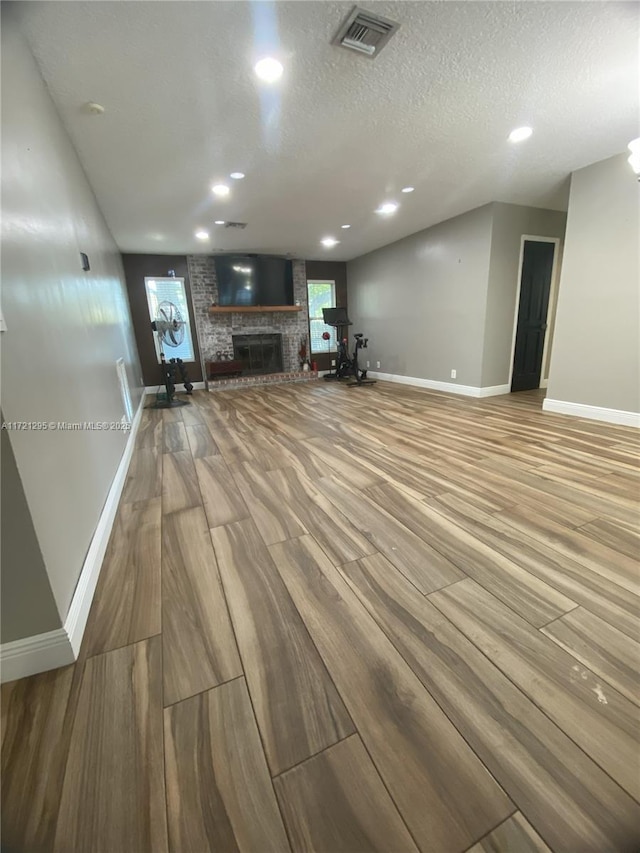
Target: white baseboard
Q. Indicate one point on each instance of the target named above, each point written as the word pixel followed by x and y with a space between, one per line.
pixel 494 390
pixel 153 389
pixel 446 387
pixel 76 620
pixel 595 413
pixel 39 653
pixel 31 655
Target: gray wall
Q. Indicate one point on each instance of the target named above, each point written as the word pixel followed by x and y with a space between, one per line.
pixel 422 300
pixel 595 358
pixel 66 328
pixel 510 222
pixel 27 601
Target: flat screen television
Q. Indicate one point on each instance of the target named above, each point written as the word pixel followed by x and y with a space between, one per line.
pixel 246 280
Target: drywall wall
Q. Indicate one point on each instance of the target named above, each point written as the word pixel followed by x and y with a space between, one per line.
pixel 510 222
pixel 596 356
pixel 65 328
pixel 28 606
pixel 422 300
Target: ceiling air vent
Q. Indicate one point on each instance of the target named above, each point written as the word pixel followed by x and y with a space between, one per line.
pixel 365 32
pixel 238 225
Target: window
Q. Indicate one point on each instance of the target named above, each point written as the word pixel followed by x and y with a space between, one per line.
pixel 167 299
pixel 322 294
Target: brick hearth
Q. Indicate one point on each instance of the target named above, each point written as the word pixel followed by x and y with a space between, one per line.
pixel 262 379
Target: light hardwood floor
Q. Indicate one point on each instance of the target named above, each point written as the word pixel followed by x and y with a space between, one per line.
pixel 337 619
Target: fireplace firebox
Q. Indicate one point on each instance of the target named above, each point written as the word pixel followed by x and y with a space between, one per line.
pixel 258 353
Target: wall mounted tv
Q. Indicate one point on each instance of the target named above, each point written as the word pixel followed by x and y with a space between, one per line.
pixel 246 280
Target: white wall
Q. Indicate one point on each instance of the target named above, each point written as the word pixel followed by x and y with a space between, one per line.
pixel 422 300
pixel 66 327
pixel 596 353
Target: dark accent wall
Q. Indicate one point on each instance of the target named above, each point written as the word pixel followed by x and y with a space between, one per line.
pixel 136 267
pixel 329 271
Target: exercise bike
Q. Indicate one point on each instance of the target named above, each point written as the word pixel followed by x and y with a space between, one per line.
pixel 347 368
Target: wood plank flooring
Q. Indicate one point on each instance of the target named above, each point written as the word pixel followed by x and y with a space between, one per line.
pixel 602 721
pixel 33 757
pixel 515 835
pixel 336 801
pixel 297 706
pixel 198 645
pixel 113 796
pixel 127 603
pixel 213 752
pixel 336 620
pixel 600 647
pixel 427 766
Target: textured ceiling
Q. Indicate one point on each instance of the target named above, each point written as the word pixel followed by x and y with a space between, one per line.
pixel 340 133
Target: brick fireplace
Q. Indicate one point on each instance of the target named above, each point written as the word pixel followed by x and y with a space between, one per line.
pixel 215 334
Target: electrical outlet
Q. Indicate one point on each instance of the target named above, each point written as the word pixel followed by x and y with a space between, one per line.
pixel 377 364
pixel 333 362
pixel 368 364
pixel 454 373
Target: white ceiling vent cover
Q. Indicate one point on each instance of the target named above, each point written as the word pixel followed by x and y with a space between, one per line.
pixel 365 32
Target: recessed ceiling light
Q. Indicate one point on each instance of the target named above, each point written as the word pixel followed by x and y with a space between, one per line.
pixel 345 226
pixel 237 176
pixel 220 189
pixel 520 134
pixel 269 69
pixel 329 242
pixel 202 234
pixel 387 208
pixel 219 222
pixel 408 189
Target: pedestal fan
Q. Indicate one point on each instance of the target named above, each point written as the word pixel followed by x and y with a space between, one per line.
pixel 169 327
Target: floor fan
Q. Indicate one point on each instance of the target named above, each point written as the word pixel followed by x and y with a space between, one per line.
pixel 169 328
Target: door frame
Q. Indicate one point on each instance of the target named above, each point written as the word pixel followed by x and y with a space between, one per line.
pixel 553 293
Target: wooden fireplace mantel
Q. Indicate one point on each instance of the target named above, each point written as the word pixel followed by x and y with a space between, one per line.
pixel 251 309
